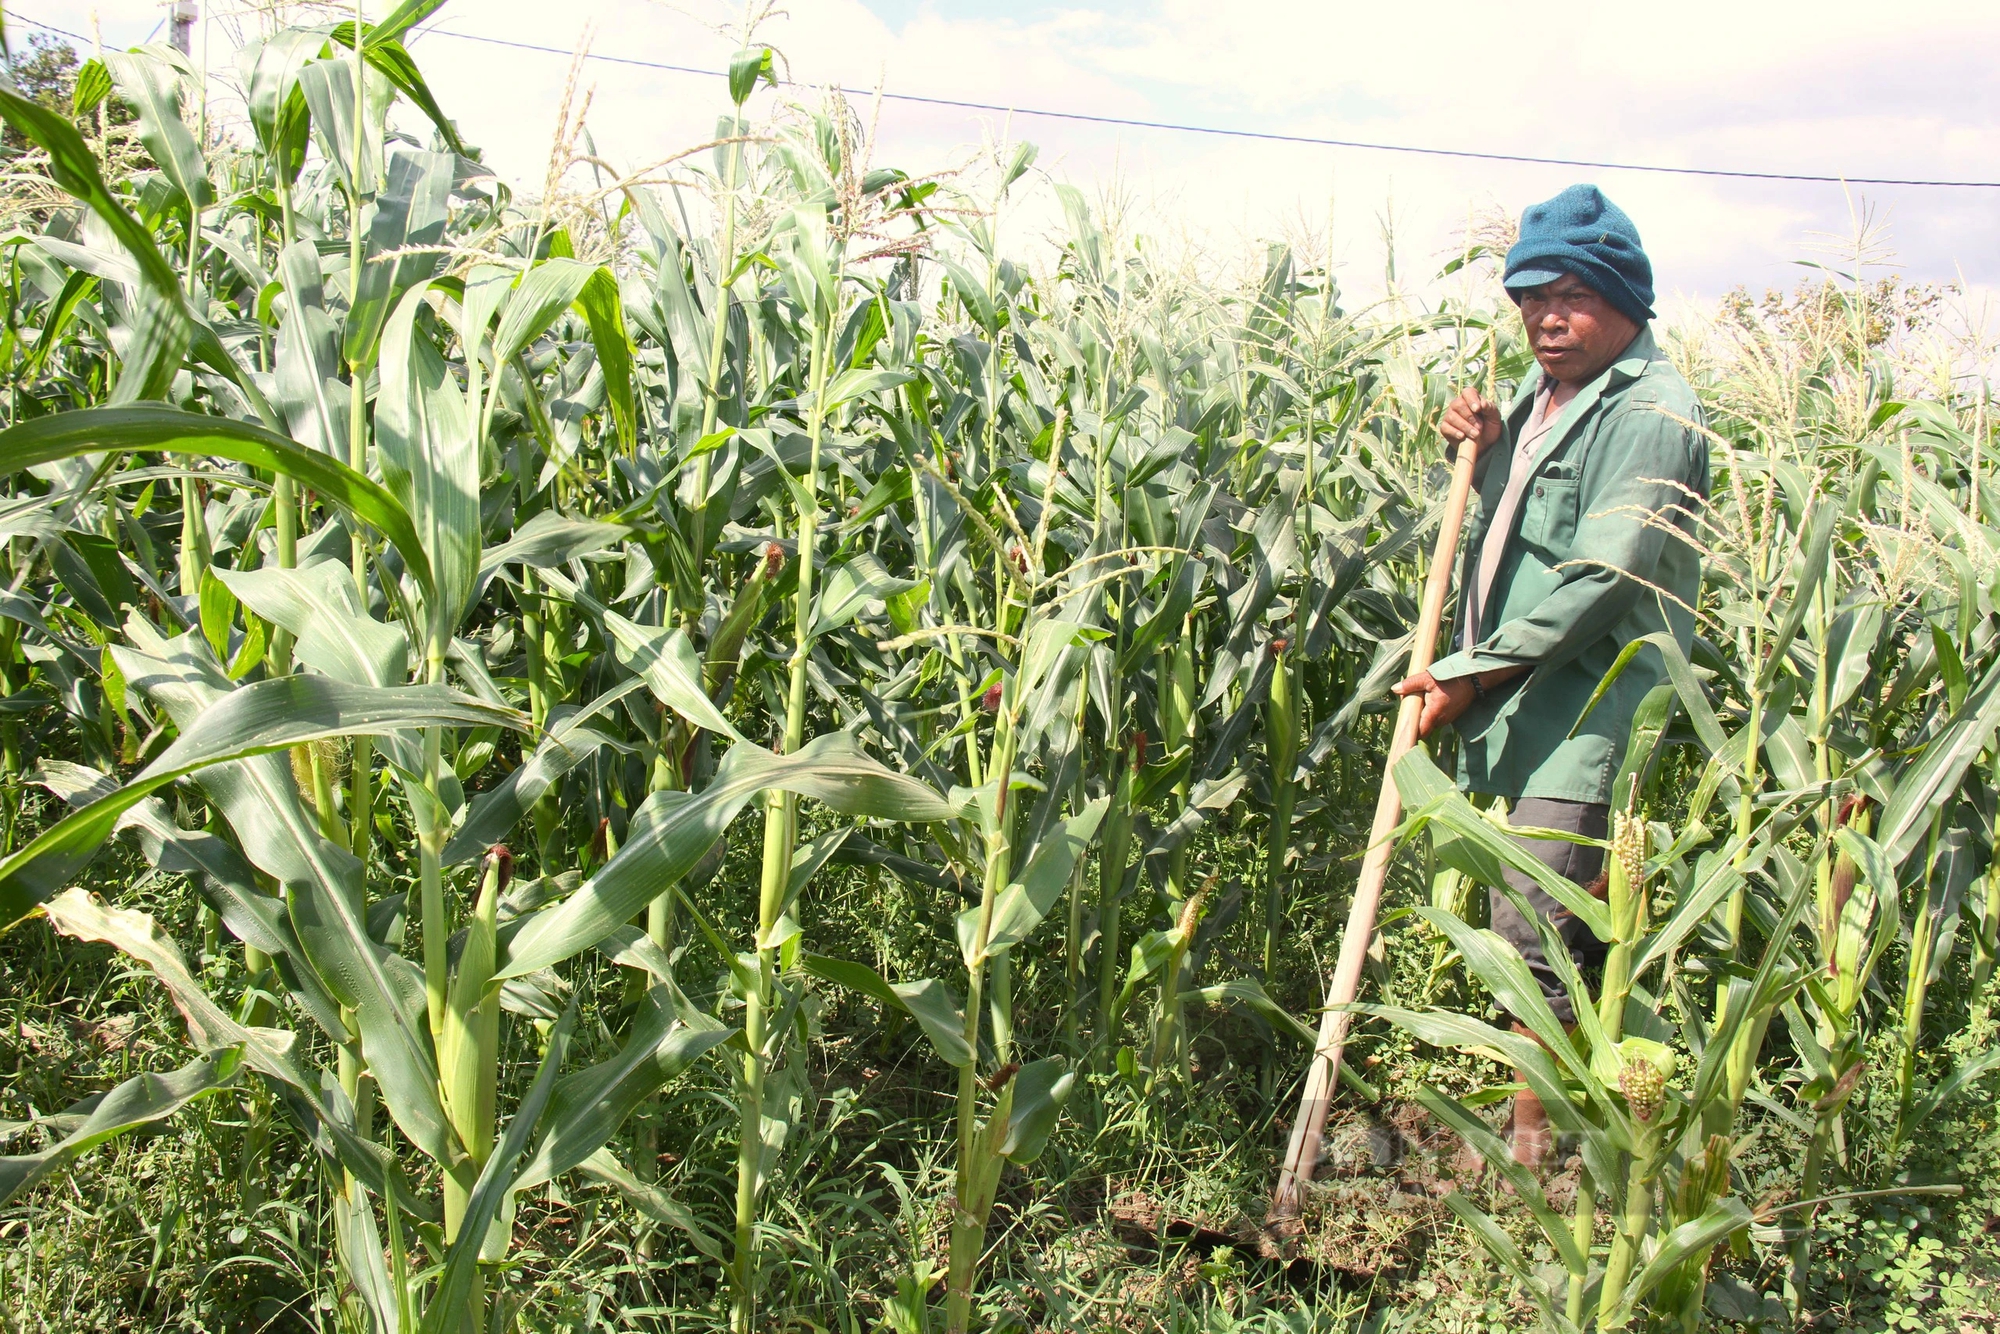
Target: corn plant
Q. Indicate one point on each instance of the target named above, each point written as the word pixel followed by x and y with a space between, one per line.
pixel 423 1036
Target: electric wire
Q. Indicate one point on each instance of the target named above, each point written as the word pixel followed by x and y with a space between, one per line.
pixel 1269 136
pixel 1217 131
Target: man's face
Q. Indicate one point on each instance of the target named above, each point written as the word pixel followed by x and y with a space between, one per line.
pixel 1575 332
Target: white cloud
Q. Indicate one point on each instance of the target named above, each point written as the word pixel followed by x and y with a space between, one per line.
pixel 1769 85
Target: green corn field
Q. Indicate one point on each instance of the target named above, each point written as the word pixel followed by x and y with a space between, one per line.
pixel 722 749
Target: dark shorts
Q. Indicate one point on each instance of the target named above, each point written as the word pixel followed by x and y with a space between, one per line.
pixel 1581 864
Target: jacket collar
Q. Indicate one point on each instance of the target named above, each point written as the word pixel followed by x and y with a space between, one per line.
pixel 1631 364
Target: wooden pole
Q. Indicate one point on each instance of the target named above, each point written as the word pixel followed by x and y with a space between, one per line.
pixel 1302 1155
pixel 181 18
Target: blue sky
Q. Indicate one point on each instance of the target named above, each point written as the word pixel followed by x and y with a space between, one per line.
pixel 1783 85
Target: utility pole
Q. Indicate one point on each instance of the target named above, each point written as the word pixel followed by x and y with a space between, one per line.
pixel 181 18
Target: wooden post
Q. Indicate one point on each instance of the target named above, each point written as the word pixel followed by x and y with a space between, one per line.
pixel 181 16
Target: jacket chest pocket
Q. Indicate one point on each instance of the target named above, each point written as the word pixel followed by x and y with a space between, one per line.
pixel 1548 512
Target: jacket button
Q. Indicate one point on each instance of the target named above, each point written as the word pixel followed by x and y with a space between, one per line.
pixel 1539 491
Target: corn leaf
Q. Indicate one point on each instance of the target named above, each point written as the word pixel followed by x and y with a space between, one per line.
pixel 89 431
pixel 1937 770
pixel 138 1101
pixel 1023 904
pixel 682 826
pixel 152 87
pixel 666 660
pixel 588 1106
pixel 429 448
pixel 1472 844
pixel 1498 1155
pixel 269 716
pixel 410 212
pixel 151 356
pixel 1689 1244
pixel 928 1001
pixel 1040 1090
pixel 267 1051
pixel 319 606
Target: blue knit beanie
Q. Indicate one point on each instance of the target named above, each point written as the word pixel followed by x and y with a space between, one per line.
pixel 1585 235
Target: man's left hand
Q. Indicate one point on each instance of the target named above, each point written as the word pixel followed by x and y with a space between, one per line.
pixel 1444 701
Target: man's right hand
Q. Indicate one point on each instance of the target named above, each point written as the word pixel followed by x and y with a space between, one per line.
pixel 1471 416
pixel 1443 701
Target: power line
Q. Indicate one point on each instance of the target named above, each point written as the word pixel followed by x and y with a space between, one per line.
pixel 1266 136
pixel 17 20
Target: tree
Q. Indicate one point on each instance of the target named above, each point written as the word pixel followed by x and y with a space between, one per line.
pixel 47 72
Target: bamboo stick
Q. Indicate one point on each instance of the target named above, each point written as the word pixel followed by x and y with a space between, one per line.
pixel 1302 1155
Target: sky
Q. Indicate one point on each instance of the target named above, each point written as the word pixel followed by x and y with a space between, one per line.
pixel 1825 88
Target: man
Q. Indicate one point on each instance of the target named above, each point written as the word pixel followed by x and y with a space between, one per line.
pixel 1587 486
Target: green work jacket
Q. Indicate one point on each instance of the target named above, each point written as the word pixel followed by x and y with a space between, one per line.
pixel 1602 554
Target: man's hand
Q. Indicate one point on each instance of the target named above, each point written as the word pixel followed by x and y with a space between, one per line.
pixel 1471 416
pixel 1444 701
